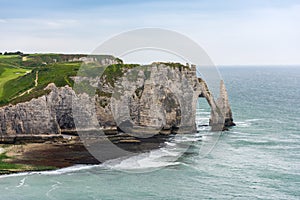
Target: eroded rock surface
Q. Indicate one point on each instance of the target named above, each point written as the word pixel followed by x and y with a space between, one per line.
pixel 147 98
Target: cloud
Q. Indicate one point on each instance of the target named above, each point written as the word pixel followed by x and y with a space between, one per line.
pixel 235 34
pixel 3 21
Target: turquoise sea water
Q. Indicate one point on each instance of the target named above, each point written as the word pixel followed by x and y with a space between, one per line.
pixel 257 159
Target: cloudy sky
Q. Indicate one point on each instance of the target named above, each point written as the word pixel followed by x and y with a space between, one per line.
pixel 232 32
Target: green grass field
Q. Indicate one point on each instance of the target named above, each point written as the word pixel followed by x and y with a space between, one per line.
pixel 10 68
pixel 58 73
pixel 11 60
pixel 9 73
pixel 17 76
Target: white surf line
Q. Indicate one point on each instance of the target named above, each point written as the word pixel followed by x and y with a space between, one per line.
pixel 22 182
pixel 64 170
pixel 53 187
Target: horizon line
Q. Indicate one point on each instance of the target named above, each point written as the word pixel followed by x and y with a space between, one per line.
pixel 218 65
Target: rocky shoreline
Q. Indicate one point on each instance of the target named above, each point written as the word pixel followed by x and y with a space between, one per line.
pixel 55 152
pixel 128 102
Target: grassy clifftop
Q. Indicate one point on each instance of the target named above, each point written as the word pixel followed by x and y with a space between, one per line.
pixel 24 76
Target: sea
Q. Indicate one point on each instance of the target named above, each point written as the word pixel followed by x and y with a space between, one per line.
pixel 259 158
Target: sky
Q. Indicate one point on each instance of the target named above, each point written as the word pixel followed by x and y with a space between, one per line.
pixel 232 32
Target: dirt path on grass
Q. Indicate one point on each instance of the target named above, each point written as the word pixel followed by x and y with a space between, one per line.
pixel 35 85
pixel 36 78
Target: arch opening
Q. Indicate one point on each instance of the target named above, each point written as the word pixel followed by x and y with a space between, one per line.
pixel 203 112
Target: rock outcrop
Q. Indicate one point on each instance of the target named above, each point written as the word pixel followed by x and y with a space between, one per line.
pixel 158 97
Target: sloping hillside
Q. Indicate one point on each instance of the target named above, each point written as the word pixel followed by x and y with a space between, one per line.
pixel 23 77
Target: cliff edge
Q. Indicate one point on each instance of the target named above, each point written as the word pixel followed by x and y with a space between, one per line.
pixel 159 97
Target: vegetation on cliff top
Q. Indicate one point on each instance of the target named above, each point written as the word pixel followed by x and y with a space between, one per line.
pixel 175 65
pixel 23 88
pixel 25 76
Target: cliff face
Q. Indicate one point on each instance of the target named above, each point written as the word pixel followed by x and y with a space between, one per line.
pixel 153 98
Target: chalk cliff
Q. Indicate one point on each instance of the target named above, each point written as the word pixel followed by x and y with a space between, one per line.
pixel 159 97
